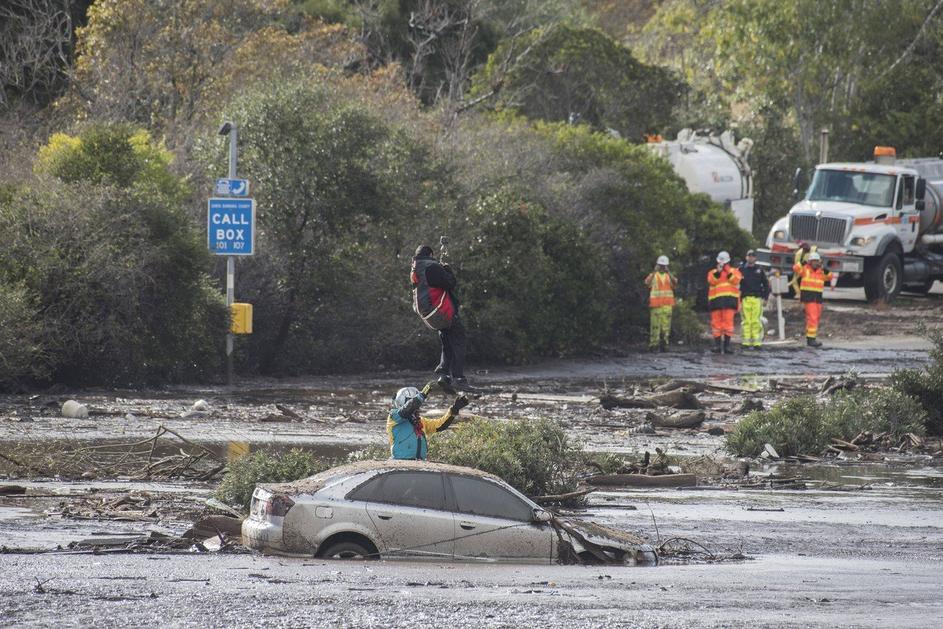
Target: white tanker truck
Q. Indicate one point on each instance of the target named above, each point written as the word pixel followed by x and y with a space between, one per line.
pixel 877 224
pixel 714 165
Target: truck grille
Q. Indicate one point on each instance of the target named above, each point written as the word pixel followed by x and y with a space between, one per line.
pixel 817 229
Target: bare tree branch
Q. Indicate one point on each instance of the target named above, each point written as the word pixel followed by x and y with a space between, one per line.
pixel 35 47
pixel 913 43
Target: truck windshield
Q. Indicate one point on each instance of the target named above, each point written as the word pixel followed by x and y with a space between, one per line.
pixel 852 187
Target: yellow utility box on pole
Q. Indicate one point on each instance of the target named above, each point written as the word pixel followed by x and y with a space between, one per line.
pixel 241 318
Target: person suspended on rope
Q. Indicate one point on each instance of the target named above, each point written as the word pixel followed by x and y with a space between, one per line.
pixel 436 303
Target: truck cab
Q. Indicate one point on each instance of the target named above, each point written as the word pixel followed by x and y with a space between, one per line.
pixel 865 221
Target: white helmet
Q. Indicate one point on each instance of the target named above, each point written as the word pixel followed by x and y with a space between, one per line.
pixel 814 256
pixel 403 396
pixel 662 260
pixel 723 257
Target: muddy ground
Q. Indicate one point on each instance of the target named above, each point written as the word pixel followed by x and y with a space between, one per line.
pixel 860 546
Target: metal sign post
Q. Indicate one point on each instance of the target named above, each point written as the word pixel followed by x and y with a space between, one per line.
pixel 231 230
pixel 230 265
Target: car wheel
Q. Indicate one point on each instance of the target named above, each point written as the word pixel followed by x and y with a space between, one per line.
pixel 348 550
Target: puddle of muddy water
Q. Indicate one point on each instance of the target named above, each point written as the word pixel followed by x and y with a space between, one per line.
pixel 902 475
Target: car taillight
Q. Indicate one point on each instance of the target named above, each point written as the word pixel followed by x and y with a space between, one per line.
pixel 277 506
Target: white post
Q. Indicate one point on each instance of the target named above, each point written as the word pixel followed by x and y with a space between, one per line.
pixel 780 318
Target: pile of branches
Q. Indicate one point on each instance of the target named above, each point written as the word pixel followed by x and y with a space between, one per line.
pixel 165 455
pixel 868 441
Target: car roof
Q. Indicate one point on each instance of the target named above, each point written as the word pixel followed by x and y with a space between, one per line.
pixel 318 481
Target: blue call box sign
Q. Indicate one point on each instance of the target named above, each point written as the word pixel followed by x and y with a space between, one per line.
pixel 230 226
pixel 232 187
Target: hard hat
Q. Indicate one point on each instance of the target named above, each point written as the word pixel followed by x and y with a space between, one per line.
pixel 662 260
pixel 814 256
pixel 403 396
pixel 723 257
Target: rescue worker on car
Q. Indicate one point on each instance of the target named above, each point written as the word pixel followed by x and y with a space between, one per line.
pixel 408 432
pixel 812 278
pixel 661 301
pixel 723 299
pixel 754 290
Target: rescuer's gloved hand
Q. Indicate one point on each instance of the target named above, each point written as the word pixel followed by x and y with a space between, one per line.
pixel 428 387
pixel 459 403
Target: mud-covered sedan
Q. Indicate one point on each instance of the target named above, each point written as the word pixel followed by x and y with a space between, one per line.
pixel 416 509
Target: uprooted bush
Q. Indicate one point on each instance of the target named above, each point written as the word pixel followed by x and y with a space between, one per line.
pixel 805 425
pixel 926 386
pixel 536 457
pixel 266 467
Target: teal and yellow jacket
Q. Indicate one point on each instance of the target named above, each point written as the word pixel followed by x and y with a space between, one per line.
pixel 409 434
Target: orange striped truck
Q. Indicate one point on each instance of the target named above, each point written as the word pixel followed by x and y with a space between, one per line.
pixel 876 224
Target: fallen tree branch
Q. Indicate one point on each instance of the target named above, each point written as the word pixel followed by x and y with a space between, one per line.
pixel 563 497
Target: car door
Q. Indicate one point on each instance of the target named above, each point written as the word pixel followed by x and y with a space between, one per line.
pixel 908 224
pixel 493 523
pixel 408 510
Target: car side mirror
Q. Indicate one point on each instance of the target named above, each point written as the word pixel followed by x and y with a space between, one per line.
pixel 921 191
pixel 542 515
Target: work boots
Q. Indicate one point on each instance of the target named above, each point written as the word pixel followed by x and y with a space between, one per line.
pixel 445 383
pixel 718 345
pixel 727 348
pixel 813 342
pixel 663 346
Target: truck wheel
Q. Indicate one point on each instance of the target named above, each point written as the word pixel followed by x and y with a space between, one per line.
pixel 919 289
pixel 882 277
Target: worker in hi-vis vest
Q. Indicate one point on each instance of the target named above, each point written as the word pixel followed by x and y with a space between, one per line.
pixel 661 301
pixel 754 290
pixel 812 278
pixel 723 300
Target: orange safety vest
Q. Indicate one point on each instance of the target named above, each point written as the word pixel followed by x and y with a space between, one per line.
pixel 811 281
pixel 662 293
pixel 723 288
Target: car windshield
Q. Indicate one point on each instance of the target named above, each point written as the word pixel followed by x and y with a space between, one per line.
pixel 852 187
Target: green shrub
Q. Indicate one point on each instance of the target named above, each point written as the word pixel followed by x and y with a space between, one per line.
pixel 534 456
pixel 23 358
pixel 582 74
pixel 531 284
pixel 804 425
pixel 104 245
pixel 337 188
pixel 926 386
pixel 116 154
pixel 792 427
pixel 244 473
pixel 848 413
pixel 685 325
pixel 119 277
